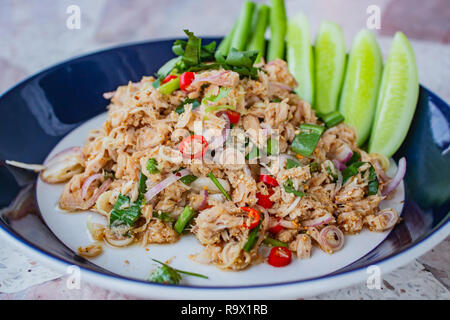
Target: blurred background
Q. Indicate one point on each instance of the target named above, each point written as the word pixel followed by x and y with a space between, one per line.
pixel 34 32
pixel 34 35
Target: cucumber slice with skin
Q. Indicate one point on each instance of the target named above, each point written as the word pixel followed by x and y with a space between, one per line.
pixel 300 56
pixel 329 58
pixel 361 84
pixel 397 98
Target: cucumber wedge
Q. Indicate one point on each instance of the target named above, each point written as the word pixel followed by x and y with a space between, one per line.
pixel 397 98
pixel 361 84
pixel 329 57
pixel 300 56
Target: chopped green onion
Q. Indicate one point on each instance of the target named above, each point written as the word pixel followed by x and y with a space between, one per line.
pixel 276 100
pixel 142 186
pixel 223 92
pixel 275 243
pixel 254 153
pixel 356 157
pixel 291 164
pixel 152 166
pixel 306 141
pixel 272 147
pixel 171 86
pixel 219 186
pixel 289 188
pixel 332 119
pixel 185 216
pixel 252 238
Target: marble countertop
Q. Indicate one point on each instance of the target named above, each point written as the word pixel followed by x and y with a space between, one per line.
pixel 35 36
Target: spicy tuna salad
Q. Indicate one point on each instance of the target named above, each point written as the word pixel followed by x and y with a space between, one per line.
pixel 227 151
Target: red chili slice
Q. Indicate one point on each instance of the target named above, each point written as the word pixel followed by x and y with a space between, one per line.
pixel 264 200
pixel 254 215
pixel 271 181
pixel 186 146
pixel 234 116
pixel 276 228
pixel 186 79
pixel 279 257
pixel 169 77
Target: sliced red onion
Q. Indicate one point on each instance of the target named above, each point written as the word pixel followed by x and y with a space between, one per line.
pixel 87 183
pixel 63 155
pixel 380 172
pixel 391 217
pixel 339 180
pixel 331 239
pixel 339 165
pixel 344 153
pixel 104 186
pixel 165 183
pixel 399 175
pixel 326 218
pixel 204 202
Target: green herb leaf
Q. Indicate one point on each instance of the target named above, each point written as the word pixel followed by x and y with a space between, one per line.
pixel 272 147
pixel 195 104
pixel 142 186
pixel 289 188
pixel 188 179
pixel 373 181
pixel 350 171
pixel 313 167
pixel 152 166
pixel 291 164
pixel 185 216
pixel 219 186
pixel 191 54
pixel 164 216
pixel 124 212
pixel 275 243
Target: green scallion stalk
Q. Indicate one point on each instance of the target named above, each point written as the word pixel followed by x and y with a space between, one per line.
pixel 252 238
pixel 306 141
pixel 225 46
pixel 185 216
pixel 244 26
pixel 332 119
pixel 275 243
pixel 171 86
pixel 258 40
pixel 217 108
pixel 219 186
pixel 278 27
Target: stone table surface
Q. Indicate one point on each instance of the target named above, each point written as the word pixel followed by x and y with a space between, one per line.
pixel 35 35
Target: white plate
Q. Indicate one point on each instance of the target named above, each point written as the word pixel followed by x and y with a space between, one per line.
pixel 135 261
